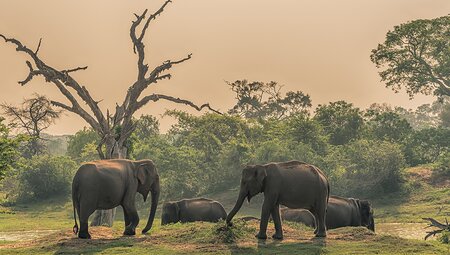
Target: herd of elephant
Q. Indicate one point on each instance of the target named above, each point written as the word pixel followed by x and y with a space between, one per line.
pixel 301 188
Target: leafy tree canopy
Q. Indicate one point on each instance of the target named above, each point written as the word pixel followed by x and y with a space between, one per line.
pixel 340 120
pixel 416 56
pixel 259 100
pixel 8 149
pixel 387 125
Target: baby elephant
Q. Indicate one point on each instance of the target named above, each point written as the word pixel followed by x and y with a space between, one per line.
pixel 341 212
pixel 190 210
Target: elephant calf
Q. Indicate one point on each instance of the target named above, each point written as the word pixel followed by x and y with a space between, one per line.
pixel 190 210
pixel 105 184
pixel 341 212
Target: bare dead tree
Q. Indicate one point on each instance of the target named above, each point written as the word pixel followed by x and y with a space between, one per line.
pixel 114 129
pixel 434 223
pixel 33 116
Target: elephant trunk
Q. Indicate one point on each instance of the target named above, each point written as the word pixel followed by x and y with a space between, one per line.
pixel 237 206
pixel 155 199
pixel 371 224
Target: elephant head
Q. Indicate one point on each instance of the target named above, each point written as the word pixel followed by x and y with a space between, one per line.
pixel 170 213
pixel 366 212
pixel 252 183
pixel 148 181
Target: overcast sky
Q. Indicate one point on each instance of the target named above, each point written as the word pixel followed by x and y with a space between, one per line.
pixel 319 47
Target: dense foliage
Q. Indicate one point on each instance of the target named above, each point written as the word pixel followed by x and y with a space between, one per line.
pixel 415 55
pixel 9 149
pixel 363 152
pixel 46 176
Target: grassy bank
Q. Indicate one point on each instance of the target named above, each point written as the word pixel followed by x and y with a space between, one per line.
pixel 201 238
pixel 48 225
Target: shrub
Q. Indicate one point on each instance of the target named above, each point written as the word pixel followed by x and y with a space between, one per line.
pixel 444 237
pixel 426 145
pixel 442 165
pixel 46 176
pixel 365 168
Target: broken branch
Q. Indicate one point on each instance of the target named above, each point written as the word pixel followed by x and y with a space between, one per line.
pixel 157 97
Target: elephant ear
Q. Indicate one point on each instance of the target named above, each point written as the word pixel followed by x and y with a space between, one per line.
pixel 140 173
pixel 365 207
pixel 177 210
pixel 260 175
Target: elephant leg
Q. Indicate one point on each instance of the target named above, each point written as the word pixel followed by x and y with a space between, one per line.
pixel 277 221
pixel 265 213
pixel 316 226
pixel 133 217
pixel 84 213
pixel 126 218
pixel 319 214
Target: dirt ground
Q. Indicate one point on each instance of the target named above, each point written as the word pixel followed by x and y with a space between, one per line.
pixel 103 234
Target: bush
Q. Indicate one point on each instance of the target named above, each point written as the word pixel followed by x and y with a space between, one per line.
pixel 365 168
pixel 444 237
pixel 46 176
pixel 426 145
pixel 442 165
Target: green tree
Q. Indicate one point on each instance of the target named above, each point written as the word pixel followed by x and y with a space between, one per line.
pixel 78 142
pixel 261 100
pixel 146 125
pixel 46 176
pixel 416 56
pixel 302 128
pixel 365 167
pixel 426 145
pixel 444 115
pixel 33 117
pixel 388 126
pixel 8 149
pixel 340 120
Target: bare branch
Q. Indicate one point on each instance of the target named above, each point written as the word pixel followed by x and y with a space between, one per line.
pixel 99 148
pixel 434 223
pixel 152 17
pixel 74 69
pixel 38 47
pixel 157 97
pixel 31 74
pixel 164 67
pixel 62 79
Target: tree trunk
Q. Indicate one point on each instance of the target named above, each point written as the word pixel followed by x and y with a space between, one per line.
pixel 106 217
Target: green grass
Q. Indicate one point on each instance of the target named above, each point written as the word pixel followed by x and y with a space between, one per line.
pixel 48 215
pixel 423 200
pixel 203 238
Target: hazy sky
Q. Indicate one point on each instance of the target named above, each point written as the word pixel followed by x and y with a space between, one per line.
pixel 319 47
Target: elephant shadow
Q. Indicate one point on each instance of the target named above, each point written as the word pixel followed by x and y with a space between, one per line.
pixel 74 245
pixel 313 246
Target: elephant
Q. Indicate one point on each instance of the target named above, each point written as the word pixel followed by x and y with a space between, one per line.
pixel 190 210
pixel 299 215
pixel 293 184
pixel 341 212
pixel 105 184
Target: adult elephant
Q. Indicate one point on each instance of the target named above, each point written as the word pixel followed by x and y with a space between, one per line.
pixel 190 210
pixel 293 184
pixel 341 212
pixel 105 184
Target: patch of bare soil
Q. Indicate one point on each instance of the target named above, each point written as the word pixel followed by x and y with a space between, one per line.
pixel 427 175
pixel 100 235
pixel 404 230
pixel 24 235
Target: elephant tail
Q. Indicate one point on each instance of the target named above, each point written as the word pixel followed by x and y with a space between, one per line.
pixel 75 227
pixel 328 185
pixel 75 202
